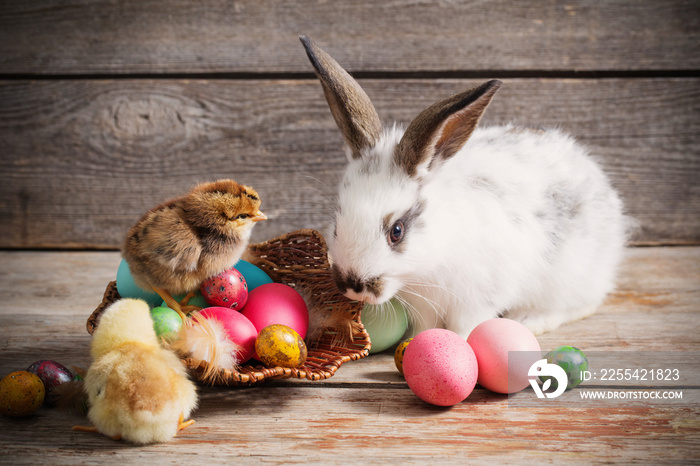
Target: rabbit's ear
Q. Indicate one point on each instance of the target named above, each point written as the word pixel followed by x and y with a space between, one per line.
pixel 440 130
pixel 353 111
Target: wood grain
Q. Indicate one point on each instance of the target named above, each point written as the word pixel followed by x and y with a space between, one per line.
pixel 116 121
pixel 82 160
pixel 407 36
pixel 366 413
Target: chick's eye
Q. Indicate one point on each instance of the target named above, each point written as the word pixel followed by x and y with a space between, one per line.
pixel 396 233
pixel 242 216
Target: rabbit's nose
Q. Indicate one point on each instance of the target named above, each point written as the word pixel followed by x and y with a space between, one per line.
pixel 347 281
pixel 350 281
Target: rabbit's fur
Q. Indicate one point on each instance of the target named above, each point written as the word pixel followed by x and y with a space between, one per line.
pixel 498 221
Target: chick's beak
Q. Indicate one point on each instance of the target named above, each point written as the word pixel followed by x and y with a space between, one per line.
pixel 259 216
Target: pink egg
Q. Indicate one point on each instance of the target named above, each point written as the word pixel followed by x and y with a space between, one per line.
pixel 276 303
pixel 491 341
pixel 440 367
pixel 227 289
pixel 239 329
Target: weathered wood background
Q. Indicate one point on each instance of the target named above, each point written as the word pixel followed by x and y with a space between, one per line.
pixel 108 108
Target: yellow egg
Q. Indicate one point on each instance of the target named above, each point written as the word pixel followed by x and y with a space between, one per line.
pixel 21 393
pixel 280 346
pixel 398 354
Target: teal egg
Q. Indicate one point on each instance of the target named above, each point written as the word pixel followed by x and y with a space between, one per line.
pixel 572 360
pixel 386 324
pixel 166 322
pixel 254 276
pixel 197 300
pixel 127 288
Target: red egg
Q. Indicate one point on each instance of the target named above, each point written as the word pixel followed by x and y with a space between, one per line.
pixel 492 341
pixel 227 289
pixel 276 303
pixel 238 329
pixel 440 367
pixel 52 374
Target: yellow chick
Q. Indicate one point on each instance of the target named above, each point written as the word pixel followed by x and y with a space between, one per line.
pixel 137 390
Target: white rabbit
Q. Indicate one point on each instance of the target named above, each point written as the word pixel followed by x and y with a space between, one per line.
pixel 466 224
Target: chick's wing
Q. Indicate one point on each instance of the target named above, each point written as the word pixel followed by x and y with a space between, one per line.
pixel 173 243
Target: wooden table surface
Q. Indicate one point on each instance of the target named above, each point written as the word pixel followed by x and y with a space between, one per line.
pixel 366 413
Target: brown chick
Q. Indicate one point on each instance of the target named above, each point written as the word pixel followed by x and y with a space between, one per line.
pixel 182 242
pixel 137 390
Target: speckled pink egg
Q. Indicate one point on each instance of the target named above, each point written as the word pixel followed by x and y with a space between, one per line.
pixel 227 289
pixel 491 341
pixel 440 367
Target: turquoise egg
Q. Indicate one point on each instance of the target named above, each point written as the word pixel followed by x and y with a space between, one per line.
pixel 572 360
pixel 197 300
pixel 386 324
pixel 254 276
pixel 166 322
pixel 127 288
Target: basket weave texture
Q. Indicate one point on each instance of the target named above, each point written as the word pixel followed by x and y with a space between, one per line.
pixel 298 259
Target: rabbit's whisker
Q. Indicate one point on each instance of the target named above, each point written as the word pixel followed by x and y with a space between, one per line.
pixel 412 311
pixel 446 289
pixel 328 193
pixel 440 312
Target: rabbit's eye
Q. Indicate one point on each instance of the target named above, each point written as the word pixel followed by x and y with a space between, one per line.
pixel 396 233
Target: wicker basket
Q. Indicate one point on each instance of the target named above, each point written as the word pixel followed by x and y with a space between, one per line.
pixel 298 259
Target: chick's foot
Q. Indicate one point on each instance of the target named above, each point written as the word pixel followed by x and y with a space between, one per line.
pixel 185 307
pixel 91 429
pixel 173 304
pixel 182 424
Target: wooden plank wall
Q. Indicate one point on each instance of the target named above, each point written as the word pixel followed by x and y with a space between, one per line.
pixel 109 107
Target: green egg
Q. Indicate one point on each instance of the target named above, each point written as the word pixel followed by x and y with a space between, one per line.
pixel 572 360
pixel 386 324
pixel 166 322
